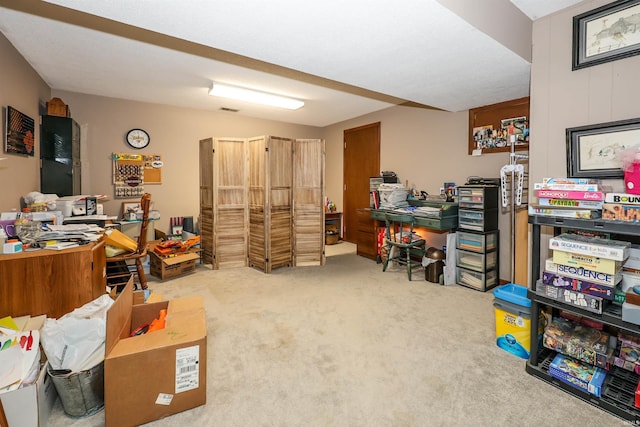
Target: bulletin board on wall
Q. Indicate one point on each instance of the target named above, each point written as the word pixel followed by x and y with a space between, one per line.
pixel 131 172
pixel 491 119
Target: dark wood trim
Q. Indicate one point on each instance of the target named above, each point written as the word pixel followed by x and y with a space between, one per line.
pixel 492 115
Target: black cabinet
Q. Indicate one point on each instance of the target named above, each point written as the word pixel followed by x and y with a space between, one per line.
pixel 477 243
pixel 617 396
pixel 60 156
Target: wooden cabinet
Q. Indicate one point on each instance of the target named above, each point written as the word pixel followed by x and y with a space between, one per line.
pixel 51 282
pixel 367 234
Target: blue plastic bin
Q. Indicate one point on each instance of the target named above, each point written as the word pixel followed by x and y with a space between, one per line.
pixel 513 319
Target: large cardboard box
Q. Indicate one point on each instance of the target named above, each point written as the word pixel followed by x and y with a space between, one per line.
pixel 30 406
pixel 158 374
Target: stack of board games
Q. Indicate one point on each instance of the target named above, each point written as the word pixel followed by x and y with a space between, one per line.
pixel 582 342
pixel 569 198
pixel 584 270
pixel 628 353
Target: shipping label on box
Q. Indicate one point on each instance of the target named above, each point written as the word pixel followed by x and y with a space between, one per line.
pixel 616 250
pixel 583 274
pixel 593 263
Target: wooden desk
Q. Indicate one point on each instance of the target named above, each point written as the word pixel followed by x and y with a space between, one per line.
pixel 51 282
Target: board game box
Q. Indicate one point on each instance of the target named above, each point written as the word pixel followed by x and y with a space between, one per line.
pixel 578 374
pixel 616 250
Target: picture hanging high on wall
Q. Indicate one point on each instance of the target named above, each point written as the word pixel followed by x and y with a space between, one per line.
pixel 19 133
pixel 606 34
pixel 592 150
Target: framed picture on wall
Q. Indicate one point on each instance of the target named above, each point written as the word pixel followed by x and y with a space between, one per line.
pixel 19 133
pixel 592 149
pixel 606 34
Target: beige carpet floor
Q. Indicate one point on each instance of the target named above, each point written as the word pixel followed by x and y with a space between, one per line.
pixel 347 345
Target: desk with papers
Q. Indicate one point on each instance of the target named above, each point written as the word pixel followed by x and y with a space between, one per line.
pixel 432 214
pixel 51 282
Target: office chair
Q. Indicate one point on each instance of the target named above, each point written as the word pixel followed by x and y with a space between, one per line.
pixel 117 267
pixel 399 244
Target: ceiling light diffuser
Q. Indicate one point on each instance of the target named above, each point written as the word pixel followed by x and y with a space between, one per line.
pixel 250 95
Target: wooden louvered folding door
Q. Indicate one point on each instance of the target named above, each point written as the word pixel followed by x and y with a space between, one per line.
pixel 230 218
pixel 308 202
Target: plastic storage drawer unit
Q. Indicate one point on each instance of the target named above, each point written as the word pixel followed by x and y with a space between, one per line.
pixel 486 220
pixel 476 279
pixel 476 261
pixel 477 242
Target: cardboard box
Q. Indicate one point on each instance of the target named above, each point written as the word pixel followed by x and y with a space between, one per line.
pixel 30 406
pixel 151 376
pixel 173 266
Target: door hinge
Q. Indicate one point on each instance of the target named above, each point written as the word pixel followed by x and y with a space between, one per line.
pixel 345 145
pixel 345 187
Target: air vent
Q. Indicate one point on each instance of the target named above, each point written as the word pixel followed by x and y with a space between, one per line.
pixel 232 110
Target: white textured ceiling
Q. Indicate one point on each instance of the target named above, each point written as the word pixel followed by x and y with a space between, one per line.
pixel 343 58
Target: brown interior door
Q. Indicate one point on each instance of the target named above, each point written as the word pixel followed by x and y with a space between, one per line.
pixel 361 161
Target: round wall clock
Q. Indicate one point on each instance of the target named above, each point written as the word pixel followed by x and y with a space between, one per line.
pixel 137 138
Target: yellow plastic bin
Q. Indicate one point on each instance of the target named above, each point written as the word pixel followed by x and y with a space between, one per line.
pixel 513 319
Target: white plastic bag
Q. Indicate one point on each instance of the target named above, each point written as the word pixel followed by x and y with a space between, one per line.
pixel 76 340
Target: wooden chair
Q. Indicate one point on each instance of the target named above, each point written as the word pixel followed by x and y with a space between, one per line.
pixel 399 244
pixel 117 266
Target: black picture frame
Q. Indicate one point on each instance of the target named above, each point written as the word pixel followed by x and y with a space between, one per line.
pixel 605 34
pixel 19 135
pixel 592 149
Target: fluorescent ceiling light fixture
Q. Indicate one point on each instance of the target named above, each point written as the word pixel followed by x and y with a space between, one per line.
pixel 250 95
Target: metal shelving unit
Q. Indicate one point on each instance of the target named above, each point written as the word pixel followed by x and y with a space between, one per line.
pixel 619 387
